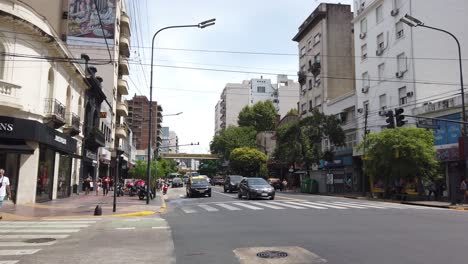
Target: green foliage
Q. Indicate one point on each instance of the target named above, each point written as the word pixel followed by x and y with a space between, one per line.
pixel 247 161
pixel 159 169
pixel 293 111
pixel 261 116
pixel 300 141
pixel 400 153
pixel 231 138
pixel 139 170
pixel 208 167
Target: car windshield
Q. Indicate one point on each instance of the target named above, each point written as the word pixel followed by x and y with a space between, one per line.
pixel 199 182
pixel 257 181
pixel 176 180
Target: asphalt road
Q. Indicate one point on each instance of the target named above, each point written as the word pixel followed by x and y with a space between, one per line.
pixel 312 229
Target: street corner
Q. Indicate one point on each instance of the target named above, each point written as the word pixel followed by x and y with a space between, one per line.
pixel 277 255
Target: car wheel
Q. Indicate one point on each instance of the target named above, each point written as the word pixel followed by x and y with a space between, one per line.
pixel 209 194
pixel 239 195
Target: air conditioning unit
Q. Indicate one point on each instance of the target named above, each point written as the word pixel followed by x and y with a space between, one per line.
pixel 362 35
pixel 382 112
pixel 395 12
pixel 360 110
pixel 409 94
pixel 365 89
pixel 399 74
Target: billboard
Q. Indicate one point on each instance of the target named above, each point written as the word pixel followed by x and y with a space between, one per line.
pixel 84 26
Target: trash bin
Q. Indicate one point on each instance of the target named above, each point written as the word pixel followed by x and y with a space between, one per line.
pixel 314 187
pixel 305 185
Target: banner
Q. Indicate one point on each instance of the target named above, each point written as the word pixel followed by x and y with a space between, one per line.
pixel 84 26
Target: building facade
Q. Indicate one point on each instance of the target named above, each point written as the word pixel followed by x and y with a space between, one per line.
pixel 173 143
pixel 165 140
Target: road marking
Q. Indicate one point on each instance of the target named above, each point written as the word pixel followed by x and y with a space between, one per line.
pixel 46 222
pixel 208 208
pixel 24 244
pixel 307 205
pixel 9 261
pixel 18 252
pixel 287 205
pixel 8 237
pixel 351 205
pixel 289 198
pixel 44 226
pixel 227 206
pixel 125 228
pixel 326 205
pixel 72 219
pixel 367 205
pixel 188 210
pixel 268 205
pixel 231 196
pixel 248 206
pixel 38 230
pixel 160 227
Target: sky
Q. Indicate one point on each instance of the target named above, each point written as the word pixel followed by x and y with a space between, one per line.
pixel 260 26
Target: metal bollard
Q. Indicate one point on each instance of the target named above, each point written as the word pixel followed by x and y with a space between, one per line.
pixel 98 210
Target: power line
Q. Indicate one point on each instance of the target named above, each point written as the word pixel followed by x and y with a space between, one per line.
pixel 102 29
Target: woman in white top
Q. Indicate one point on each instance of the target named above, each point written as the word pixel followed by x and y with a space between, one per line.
pixel 4 187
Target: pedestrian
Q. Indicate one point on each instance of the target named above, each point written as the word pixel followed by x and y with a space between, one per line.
pixel 463 190
pixel 431 188
pixel 105 185
pixel 98 186
pixel 285 184
pixel 4 188
pixel 87 184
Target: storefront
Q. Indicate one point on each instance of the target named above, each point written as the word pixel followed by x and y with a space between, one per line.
pixel 36 158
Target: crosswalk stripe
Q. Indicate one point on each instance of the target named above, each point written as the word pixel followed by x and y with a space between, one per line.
pixel 268 205
pixel 364 204
pixel 18 252
pixel 287 205
pixel 24 244
pixel 72 219
pixel 307 205
pixel 9 261
pixel 326 205
pixel 248 206
pixel 208 208
pixel 47 222
pixel 44 226
pixel 19 236
pixel 38 230
pixel 351 205
pixel 227 206
pixel 188 210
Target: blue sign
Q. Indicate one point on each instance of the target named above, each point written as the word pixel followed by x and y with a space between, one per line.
pixel 448 132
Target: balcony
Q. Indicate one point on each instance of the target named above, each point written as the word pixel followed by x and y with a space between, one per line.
pixel 159 125
pixel 9 95
pixel 124 69
pixel 73 124
pixel 301 77
pixel 124 45
pixel 122 108
pixel 122 87
pixel 315 68
pixel 121 131
pixel 125 23
pixel 54 112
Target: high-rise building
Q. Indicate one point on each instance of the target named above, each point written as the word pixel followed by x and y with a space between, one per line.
pixel 164 149
pixel 173 143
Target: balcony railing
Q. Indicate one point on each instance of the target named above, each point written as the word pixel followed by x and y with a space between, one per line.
pixel 55 111
pixel 302 77
pixel 9 94
pixel 73 124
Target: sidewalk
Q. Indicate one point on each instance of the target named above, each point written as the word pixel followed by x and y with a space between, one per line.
pixel 82 206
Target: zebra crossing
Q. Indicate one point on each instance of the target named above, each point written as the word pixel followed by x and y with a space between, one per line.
pixel 213 207
pixel 21 238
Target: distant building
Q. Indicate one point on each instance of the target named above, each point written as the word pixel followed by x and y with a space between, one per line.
pixel 164 149
pixel 173 143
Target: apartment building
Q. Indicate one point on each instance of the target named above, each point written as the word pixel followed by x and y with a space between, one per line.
pixel 173 142
pixel 165 143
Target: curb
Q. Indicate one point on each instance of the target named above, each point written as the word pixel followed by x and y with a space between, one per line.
pixel 141 213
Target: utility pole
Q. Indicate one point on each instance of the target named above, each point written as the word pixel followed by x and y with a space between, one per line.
pixel 363 185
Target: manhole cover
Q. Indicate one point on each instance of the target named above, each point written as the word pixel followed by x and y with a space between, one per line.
pixel 272 254
pixel 40 240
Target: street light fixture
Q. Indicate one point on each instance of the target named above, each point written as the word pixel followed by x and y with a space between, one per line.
pixel 203 24
pixel 413 22
pixel 173 114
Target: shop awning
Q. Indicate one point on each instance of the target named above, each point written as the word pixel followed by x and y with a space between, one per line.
pixel 15 146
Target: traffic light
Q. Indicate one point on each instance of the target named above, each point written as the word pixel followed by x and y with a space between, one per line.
pixel 399 117
pixel 390 121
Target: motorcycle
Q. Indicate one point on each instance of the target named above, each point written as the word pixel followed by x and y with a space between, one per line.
pixel 120 191
pixel 142 193
pixel 132 191
pixel 165 189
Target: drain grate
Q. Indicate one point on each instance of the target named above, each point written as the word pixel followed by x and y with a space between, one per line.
pixel 272 254
pixel 40 240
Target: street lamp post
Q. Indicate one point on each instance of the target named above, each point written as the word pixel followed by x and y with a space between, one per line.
pixel 414 22
pixel 203 24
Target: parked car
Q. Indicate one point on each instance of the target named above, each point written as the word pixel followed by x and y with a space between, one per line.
pixel 177 182
pixel 197 186
pixel 231 183
pixel 255 188
pixel 218 180
pixel 186 177
pixel 275 183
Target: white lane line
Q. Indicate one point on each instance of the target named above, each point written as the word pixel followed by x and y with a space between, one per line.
pixel 208 208
pixel 367 205
pixel 307 205
pixel 44 226
pixel 287 205
pixel 188 210
pixel 160 227
pixel 9 261
pixel 229 207
pixel 125 228
pixel 267 205
pixel 351 205
pixel 38 230
pixel 18 252
pixel 24 244
pixel 47 222
pixel 9 237
pixel 326 205
pixel 230 196
pixel 248 206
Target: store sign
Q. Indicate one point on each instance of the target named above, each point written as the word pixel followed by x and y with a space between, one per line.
pixel 91 155
pixel 60 139
pixel 6 127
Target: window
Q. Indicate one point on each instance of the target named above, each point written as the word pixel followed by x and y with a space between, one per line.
pixel 260 89
pixel 303 51
pixel 317 58
pixel 318 102
pixel 379 14
pixel 402 95
pixel 381 71
pixel 50 84
pixel 399 30
pixel 364 26
pixel 380 42
pixel 310 105
pixel 309 44
pixel 364 52
pixel 383 101
pixel 350 140
pixel 310 84
pixel 365 80
pixel 302 68
pixel 365 105
pixel 317 38
pixel 2 62
pixel 303 107
pixel 317 80
pixel 401 60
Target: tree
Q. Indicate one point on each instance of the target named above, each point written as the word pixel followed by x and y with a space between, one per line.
pixel 231 138
pixel 247 161
pixel 261 116
pixel 399 153
pixel 139 170
pixel 293 111
pixel 208 167
pixel 159 169
pixel 301 141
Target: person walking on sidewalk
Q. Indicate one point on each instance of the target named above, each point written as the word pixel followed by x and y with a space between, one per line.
pixel 285 184
pixel 87 184
pixel 105 185
pixel 463 190
pixel 4 188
